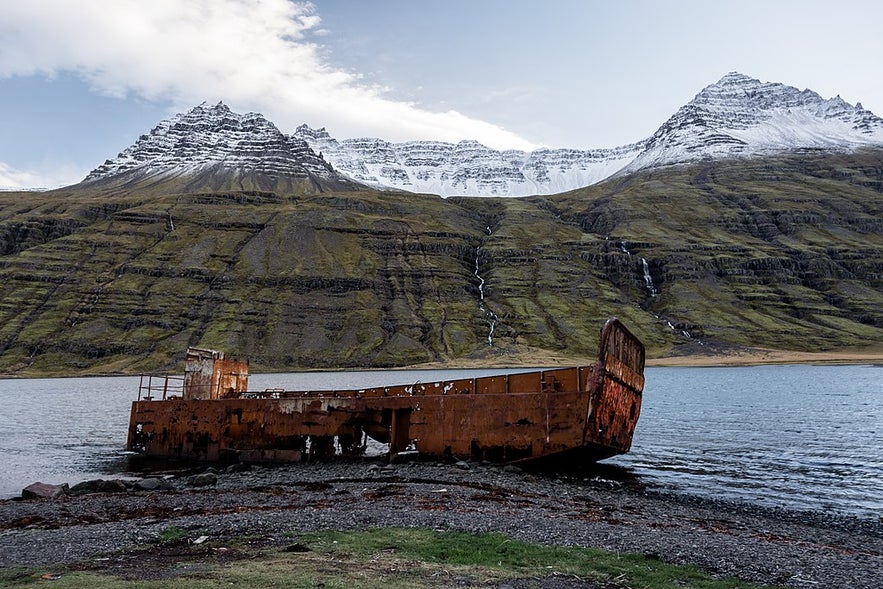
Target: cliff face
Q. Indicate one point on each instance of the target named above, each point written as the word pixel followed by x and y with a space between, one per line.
pixel 466 167
pixel 782 252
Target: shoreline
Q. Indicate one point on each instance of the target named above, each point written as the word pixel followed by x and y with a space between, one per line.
pixel 746 357
pixel 541 359
pixel 771 357
pixel 272 505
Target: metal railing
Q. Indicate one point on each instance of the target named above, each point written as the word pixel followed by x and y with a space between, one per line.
pixel 153 387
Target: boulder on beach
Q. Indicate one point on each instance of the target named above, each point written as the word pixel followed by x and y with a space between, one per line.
pixel 203 480
pixel 44 491
pixel 99 486
pixel 152 484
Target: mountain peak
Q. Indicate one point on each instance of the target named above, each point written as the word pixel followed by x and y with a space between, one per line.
pixel 735 78
pixel 737 116
pixel 216 138
pixel 740 116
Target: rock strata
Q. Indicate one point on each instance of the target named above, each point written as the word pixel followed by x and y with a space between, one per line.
pixel 737 116
pixel 216 146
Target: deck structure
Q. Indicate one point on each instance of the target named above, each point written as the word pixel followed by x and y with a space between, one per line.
pixel 582 413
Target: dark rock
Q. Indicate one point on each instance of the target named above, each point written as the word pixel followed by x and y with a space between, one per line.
pixel 462 465
pixel 44 491
pixel 114 486
pixel 238 467
pixel 152 484
pixel 205 479
pixel 86 487
pixel 511 468
pixel 99 486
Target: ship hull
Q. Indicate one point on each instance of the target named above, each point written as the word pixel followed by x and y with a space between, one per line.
pixel 583 414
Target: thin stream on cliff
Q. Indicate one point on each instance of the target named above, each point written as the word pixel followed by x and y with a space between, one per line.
pixel 489 316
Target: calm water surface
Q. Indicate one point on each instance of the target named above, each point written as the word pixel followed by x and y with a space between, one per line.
pixel 799 437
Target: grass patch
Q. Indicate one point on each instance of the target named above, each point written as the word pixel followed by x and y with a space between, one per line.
pixel 382 559
pixel 172 534
pixel 499 556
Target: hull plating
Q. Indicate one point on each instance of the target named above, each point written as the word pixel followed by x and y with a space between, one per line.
pixel 586 413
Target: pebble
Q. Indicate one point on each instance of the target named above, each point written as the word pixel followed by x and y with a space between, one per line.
pixel 276 503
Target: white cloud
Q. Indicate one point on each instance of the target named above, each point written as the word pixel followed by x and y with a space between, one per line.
pixel 52 177
pixel 252 54
pixel 12 179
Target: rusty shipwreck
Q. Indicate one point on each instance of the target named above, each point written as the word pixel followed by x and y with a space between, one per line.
pixel 570 415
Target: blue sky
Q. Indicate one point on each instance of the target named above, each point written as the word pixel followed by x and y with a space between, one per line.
pixel 81 80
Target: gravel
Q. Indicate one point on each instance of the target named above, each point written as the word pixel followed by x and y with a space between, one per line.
pixel 271 505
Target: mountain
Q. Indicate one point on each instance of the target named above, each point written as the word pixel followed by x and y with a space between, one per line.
pixel 740 116
pixel 779 251
pixel 737 116
pixel 213 148
pixel 216 148
pixel 755 219
pixel 467 167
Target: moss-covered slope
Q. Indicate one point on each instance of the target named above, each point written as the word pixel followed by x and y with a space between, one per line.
pixel 782 252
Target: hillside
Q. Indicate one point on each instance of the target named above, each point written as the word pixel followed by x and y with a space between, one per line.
pixel 783 252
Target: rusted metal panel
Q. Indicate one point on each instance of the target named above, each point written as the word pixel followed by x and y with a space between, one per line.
pixel 199 367
pixel 564 379
pixel 491 384
pixel 583 413
pixel 229 378
pixel 208 375
pixel 526 381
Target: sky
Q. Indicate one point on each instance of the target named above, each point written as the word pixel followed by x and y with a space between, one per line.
pixel 81 80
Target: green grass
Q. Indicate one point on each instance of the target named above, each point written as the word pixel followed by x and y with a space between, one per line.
pixel 384 559
pixel 496 553
pixel 779 253
pixel 172 534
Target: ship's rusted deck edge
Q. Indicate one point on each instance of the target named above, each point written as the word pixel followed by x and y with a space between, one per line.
pixel 584 413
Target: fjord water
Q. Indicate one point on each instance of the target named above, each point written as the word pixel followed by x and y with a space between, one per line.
pixel 806 438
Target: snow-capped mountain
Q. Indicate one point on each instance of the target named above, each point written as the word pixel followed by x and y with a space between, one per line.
pixel 216 138
pixel 737 116
pixel 467 167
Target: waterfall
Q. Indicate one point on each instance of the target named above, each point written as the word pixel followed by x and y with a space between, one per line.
pixel 489 315
pixel 648 280
pixel 677 330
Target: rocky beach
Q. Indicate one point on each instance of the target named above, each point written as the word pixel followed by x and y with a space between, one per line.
pixel 114 527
